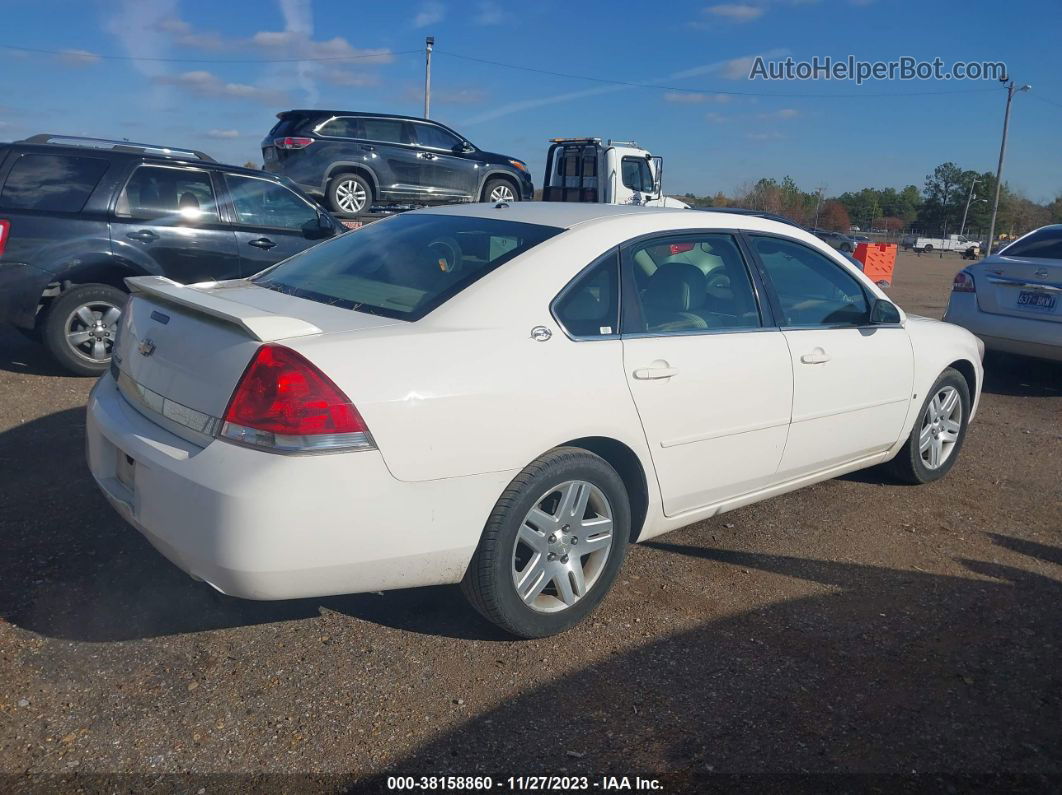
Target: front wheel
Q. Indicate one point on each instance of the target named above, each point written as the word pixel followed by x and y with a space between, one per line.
pixel 499 190
pixel 552 546
pixel 80 327
pixel 927 248
pixel 937 437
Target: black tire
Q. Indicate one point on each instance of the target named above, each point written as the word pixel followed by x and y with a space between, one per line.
pixel 488 583
pixel 501 185
pixel 908 465
pixel 926 249
pixel 345 192
pixel 61 317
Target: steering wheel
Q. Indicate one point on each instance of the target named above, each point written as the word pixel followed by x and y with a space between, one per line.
pixel 447 253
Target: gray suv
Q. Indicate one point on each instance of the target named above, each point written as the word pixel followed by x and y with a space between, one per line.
pixel 354 161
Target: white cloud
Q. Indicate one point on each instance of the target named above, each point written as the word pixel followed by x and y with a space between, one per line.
pixel 135 23
pixel 206 84
pixel 716 118
pixel 694 97
pixel 764 136
pixel 489 13
pixel 429 13
pixel 223 134
pixel 79 58
pixel 784 113
pixel 736 12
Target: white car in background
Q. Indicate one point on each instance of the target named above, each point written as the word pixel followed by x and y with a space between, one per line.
pixel 506 396
pixel 1012 300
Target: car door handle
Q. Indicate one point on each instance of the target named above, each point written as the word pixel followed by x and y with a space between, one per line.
pixel 143 235
pixel 426 155
pixel 655 372
pixel 817 356
pixel 368 148
pixel 262 242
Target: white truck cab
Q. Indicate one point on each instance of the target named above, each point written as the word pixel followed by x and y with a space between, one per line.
pixel 612 172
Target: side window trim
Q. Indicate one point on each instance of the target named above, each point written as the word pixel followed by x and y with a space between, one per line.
pixel 575 280
pixel 776 303
pixel 630 307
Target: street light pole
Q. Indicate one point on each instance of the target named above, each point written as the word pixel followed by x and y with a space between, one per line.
pixel 429 43
pixel 999 170
pixel 962 229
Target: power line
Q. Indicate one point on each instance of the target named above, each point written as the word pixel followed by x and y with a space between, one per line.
pixel 1045 99
pixel 636 84
pixel 87 54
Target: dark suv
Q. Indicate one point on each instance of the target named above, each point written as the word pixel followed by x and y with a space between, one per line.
pixel 78 215
pixel 354 161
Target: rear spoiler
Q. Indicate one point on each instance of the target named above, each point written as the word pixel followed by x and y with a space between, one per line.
pixel 262 326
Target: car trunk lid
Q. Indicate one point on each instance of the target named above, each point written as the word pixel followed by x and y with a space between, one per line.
pixel 182 349
pixel 1030 288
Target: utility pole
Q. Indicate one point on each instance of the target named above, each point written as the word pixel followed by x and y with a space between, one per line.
pixel 1002 152
pixel 429 43
pixel 962 229
pixel 818 205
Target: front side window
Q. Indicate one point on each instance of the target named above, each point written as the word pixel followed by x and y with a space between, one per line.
pixel 261 202
pixel 57 183
pixel 435 137
pixel 1044 243
pixel 693 283
pixel 155 191
pixel 636 174
pixel 590 306
pixel 405 266
pixel 391 131
pixel 812 289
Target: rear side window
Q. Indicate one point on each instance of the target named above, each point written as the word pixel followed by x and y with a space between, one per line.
pixel 155 191
pixel 1044 243
pixel 405 266
pixel 392 131
pixel 590 306
pixel 58 183
pixel 341 127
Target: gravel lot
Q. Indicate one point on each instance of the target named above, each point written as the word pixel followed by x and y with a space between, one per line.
pixel 857 626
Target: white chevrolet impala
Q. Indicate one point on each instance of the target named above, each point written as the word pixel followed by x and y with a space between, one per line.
pixel 506 397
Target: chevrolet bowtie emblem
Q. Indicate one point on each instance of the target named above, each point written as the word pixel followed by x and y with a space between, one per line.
pixel 146 348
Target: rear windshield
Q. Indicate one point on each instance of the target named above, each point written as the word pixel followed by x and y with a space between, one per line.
pixel 1044 243
pixel 403 267
pixel 288 125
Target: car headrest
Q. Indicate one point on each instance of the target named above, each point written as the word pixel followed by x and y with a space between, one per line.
pixel 188 202
pixel 676 286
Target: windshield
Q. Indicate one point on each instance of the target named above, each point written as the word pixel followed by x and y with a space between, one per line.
pixel 405 266
pixel 1044 243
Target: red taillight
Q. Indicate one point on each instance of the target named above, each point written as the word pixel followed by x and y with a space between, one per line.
pixel 5 229
pixel 284 403
pixel 963 283
pixel 292 143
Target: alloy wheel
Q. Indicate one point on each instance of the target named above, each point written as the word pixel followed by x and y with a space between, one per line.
pixel 91 328
pixel 502 193
pixel 562 546
pixel 941 425
pixel 351 196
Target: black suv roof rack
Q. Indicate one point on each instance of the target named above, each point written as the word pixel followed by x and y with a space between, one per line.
pixel 117 146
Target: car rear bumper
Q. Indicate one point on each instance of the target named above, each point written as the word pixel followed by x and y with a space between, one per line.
pixel 21 286
pixel 1027 336
pixel 263 526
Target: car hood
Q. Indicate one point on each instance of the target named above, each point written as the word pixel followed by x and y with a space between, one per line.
pixel 495 159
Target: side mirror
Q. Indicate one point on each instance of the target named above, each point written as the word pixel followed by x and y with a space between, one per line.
pixel 464 148
pixel 884 313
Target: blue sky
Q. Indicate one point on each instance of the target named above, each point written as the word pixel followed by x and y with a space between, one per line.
pixel 218 93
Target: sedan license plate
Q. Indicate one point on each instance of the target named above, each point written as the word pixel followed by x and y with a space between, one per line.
pixel 126 470
pixel 1032 299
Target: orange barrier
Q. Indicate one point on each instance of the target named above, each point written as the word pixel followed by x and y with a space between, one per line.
pixel 879 260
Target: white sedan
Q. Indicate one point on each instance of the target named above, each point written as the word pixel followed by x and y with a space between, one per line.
pixel 505 397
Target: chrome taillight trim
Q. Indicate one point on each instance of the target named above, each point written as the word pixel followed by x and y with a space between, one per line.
pixel 295 444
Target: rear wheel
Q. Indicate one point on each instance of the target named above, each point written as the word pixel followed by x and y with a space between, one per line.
pixel 552 546
pixel 499 190
pixel 349 194
pixel 80 327
pixel 937 437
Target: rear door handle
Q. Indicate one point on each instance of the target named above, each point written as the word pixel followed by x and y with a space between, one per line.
pixel 262 242
pixel 426 155
pixel 653 373
pixel 143 235
pixel 817 356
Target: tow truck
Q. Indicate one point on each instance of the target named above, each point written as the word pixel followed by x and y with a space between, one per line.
pixel 608 172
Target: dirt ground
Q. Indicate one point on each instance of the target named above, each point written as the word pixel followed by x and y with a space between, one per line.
pixel 907 635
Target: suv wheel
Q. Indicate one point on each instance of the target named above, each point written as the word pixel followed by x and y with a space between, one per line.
pixel 80 327
pixel 349 194
pixel 499 190
pixel 552 546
